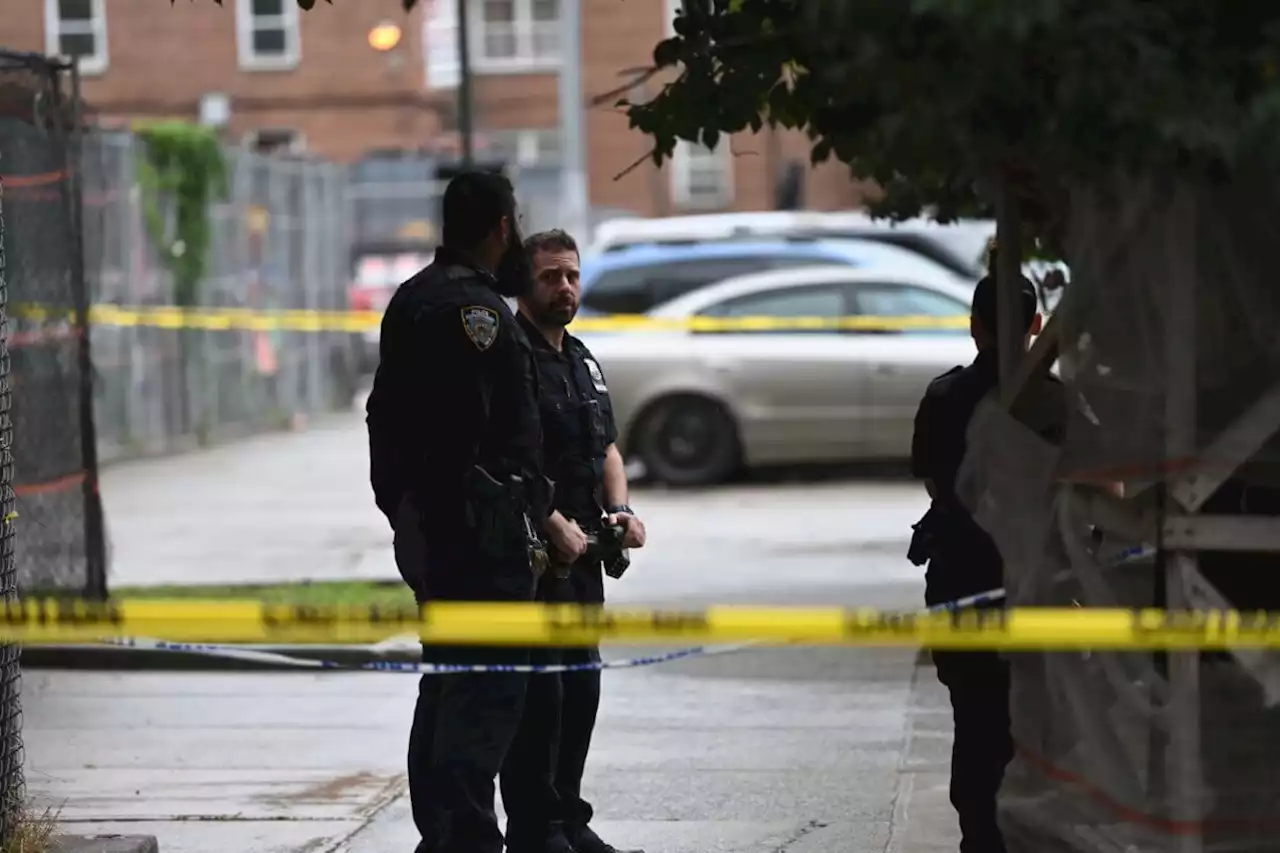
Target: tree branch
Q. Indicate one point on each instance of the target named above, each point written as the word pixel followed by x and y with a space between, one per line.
pixel 642 77
pixel 636 165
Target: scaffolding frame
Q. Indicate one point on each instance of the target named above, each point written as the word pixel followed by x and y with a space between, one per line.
pixel 1182 529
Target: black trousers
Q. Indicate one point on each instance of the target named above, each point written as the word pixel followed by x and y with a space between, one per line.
pixel 463 723
pixel 463 727
pixel 983 745
pixel 542 776
pixel 577 723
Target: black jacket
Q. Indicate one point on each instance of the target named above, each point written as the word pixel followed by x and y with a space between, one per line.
pixel 455 387
pixel 964 558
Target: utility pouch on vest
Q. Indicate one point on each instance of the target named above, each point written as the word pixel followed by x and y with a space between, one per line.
pixel 497 513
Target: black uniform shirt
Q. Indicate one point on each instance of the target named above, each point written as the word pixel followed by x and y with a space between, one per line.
pixel 578 427
pixel 967 560
pixel 455 387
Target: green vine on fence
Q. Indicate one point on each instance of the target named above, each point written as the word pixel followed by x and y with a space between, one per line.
pixel 182 173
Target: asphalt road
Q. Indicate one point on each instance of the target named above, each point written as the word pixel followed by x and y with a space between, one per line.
pixel 763 750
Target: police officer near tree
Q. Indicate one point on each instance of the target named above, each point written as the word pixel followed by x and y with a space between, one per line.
pixel 542 777
pixel 455 458
pixel 964 560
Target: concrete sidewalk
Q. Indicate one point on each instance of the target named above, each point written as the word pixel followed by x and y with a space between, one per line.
pixel 801 750
pixel 277 507
pixel 924 820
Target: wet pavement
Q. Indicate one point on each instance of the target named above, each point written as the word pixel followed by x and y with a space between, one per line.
pixel 289 507
pixel 765 750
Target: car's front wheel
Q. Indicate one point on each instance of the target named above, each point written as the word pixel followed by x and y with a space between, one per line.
pixel 688 441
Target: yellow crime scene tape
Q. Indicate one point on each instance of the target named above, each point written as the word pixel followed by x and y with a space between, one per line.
pixel 54 621
pixel 244 319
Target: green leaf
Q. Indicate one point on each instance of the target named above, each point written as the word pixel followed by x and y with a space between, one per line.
pixel 181 173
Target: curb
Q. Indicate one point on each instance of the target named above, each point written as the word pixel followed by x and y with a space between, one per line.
pixel 90 656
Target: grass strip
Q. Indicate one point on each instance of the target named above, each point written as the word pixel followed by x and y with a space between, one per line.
pixel 323 593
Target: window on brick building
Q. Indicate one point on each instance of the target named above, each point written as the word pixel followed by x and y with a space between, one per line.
pixel 267 34
pixel 524 147
pixel 702 178
pixel 516 35
pixel 275 140
pixel 78 28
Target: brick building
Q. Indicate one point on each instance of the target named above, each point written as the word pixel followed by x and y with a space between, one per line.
pixel 262 70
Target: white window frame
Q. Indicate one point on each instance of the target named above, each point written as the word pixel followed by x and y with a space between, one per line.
pixel 682 165
pixel 100 60
pixel 524 62
pixel 247 23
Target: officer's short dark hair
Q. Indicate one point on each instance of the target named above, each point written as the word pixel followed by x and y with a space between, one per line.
pixel 555 240
pixel 474 203
pixel 986 301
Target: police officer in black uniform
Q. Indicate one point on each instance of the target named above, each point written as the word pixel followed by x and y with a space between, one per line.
pixel 455 453
pixel 964 561
pixel 542 777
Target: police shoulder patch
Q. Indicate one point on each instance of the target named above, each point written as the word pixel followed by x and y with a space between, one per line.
pixel 481 325
pixel 597 375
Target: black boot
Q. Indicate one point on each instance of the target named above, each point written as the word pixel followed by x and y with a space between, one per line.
pixel 584 840
pixel 555 842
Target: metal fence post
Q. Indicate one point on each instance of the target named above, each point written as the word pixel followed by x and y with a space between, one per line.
pixel 313 239
pixel 94 524
pixel 125 211
pixel 246 385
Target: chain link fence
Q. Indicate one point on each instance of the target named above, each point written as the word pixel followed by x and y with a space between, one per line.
pixel 11 776
pixel 10 673
pixel 59 512
pixel 279 242
pixel 48 463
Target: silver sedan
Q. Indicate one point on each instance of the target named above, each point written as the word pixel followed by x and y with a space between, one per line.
pixel 694 405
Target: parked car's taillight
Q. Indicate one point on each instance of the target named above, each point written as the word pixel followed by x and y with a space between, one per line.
pixel 361 299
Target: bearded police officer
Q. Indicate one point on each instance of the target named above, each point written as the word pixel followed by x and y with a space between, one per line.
pixel 455 449
pixel 964 560
pixel 542 776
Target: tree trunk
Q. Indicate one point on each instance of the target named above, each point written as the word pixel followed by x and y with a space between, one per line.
pixel 1010 336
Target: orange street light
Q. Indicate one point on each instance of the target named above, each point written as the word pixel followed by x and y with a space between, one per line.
pixel 384 37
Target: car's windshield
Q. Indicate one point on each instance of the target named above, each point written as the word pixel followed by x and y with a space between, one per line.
pixel 641 287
